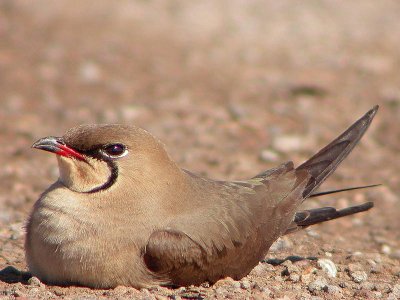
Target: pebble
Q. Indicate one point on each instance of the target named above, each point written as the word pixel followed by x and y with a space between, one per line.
pixel 245 284
pixel 260 269
pixel 307 275
pixel 383 287
pixel 90 72
pixel 333 289
pixel 328 267
pixel 318 284
pixel 18 293
pixel 395 294
pixel 290 267
pixel 312 233
pixel 268 155
pixel 226 282
pixel 34 281
pixel 281 244
pixel 294 277
pixel 385 249
pixel 290 143
pixel 358 276
pixel 367 285
pixel 376 269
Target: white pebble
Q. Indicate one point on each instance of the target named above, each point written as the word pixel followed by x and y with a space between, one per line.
pixel 328 267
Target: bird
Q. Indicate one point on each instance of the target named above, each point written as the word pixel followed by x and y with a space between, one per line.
pixel 122 212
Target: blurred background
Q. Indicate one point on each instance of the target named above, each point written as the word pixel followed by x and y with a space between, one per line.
pixel 231 88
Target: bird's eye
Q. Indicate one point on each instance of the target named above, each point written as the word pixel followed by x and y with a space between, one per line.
pixel 115 150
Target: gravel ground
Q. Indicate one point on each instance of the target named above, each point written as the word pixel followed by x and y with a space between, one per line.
pixel 232 88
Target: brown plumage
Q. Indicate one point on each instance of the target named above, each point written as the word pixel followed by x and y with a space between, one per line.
pixel 123 213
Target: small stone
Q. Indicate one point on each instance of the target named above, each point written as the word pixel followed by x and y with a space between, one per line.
pixel 90 72
pixel 260 269
pixel 396 291
pixel 59 291
pixel 385 249
pixel 363 294
pixel 179 290
pixel 18 293
pixel 308 275
pixel 288 143
pixel 328 267
pixel 383 287
pixel 312 233
pixel 367 286
pixel 34 290
pixel 245 284
pixel 376 269
pixel 228 281
pixel 377 294
pixel 358 276
pixel 333 289
pixel 268 155
pixel 290 267
pixel 34 281
pixel 294 277
pixel 318 284
pixel 281 244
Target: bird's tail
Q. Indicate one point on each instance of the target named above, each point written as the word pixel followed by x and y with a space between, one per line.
pixel 310 217
pixel 322 164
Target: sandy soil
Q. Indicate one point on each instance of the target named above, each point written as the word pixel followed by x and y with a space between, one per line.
pixel 232 88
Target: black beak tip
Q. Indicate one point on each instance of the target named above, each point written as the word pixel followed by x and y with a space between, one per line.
pixel 48 144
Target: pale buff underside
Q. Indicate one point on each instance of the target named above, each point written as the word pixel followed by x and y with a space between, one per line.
pixel 81 176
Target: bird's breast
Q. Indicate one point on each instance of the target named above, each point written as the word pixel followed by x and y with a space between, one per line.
pixel 68 242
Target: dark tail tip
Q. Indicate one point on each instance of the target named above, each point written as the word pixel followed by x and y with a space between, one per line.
pixel 306 218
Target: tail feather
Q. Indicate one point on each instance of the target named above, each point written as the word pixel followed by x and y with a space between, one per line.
pixel 322 164
pixel 342 190
pixel 310 217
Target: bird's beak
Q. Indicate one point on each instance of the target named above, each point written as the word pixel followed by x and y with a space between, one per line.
pixel 56 145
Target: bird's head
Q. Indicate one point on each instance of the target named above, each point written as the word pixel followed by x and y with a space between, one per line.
pixel 95 158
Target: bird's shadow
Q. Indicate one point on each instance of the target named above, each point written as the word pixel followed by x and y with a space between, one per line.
pixel 11 274
pixel 292 258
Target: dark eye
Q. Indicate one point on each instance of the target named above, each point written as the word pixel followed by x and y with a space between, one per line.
pixel 115 150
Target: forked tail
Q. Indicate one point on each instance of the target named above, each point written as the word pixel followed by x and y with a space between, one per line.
pixel 321 165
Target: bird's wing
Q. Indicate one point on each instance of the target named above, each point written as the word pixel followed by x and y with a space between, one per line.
pixel 231 234
pixel 325 162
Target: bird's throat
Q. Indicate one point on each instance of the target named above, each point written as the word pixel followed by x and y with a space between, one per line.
pixel 85 176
